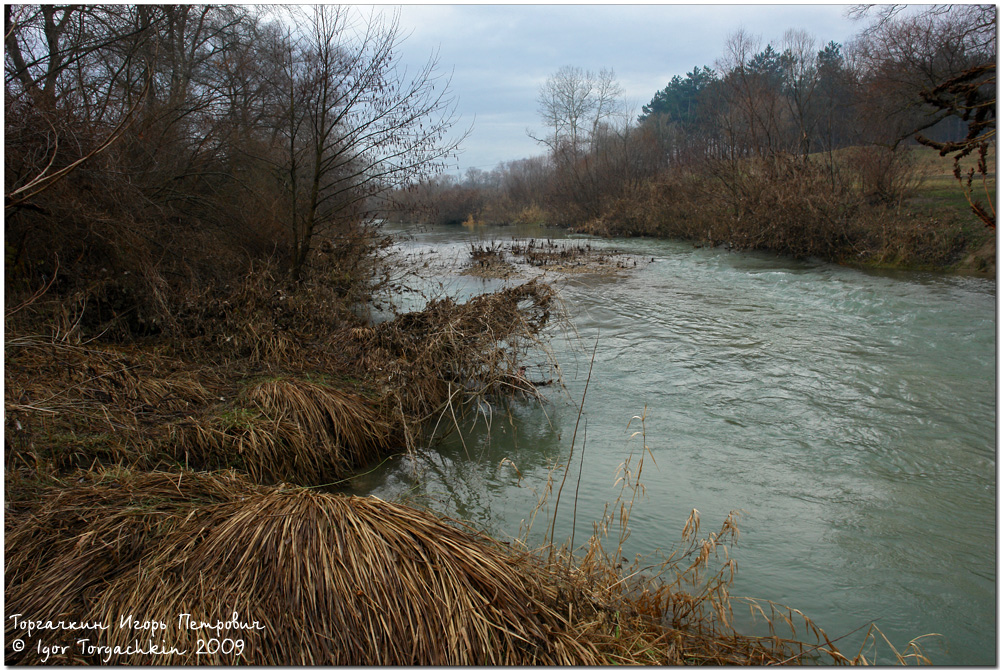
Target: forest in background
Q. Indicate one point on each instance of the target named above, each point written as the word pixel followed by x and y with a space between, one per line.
pixel 792 146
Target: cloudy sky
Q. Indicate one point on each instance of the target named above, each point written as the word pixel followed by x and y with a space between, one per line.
pixel 499 55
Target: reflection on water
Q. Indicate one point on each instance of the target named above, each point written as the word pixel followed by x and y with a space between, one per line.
pixel 850 414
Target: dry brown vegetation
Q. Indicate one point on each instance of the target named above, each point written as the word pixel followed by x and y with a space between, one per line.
pixel 334 580
pixel 426 360
pixel 858 206
pixel 281 408
pixel 489 261
pixel 497 259
pixel 337 580
pixel 142 482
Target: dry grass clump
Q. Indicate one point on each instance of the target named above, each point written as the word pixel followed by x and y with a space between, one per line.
pixel 325 579
pixel 679 612
pixel 287 430
pixel 261 318
pixel 68 404
pixel 570 257
pixel 126 376
pixel 65 541
pixel 71 404
pixel 345 424
pixel 488 260
pixel 331 580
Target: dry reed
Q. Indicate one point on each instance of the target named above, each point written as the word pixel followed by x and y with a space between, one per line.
pixel 325 579
pixel 289 430
pixel 679 611
pixel 331 580
pixel 432 363
pixel 71 404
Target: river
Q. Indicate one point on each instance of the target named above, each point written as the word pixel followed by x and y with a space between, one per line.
pixel 850 415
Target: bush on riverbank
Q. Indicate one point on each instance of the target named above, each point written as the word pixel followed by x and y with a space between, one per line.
pixel 858 206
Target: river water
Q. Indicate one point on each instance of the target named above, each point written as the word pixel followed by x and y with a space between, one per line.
pixel 850 415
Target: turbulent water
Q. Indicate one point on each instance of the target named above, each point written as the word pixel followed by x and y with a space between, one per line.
pixel 850 415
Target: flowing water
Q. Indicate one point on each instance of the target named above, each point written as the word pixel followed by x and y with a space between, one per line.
pixel 851 416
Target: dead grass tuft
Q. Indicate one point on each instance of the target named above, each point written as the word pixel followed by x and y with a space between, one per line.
pixel 435 362
pixel 287 430
pixel 333 580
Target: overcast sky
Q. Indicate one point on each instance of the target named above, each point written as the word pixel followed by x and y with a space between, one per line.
pixel 499 55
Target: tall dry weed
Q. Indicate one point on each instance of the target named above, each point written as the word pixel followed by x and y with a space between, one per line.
pixel 679 610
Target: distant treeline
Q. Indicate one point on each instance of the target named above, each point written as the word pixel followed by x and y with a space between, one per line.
pixel 794 147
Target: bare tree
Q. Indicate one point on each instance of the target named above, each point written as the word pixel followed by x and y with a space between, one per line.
pixel 573 103
pixel 904 55
pixel 57 117
pixel 358 125
pixel 799 51
pixel 578 107
pixel 931 67
pixel 185 143
pixel 752 109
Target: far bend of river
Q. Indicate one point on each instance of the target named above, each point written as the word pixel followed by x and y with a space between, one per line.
pixel 850 414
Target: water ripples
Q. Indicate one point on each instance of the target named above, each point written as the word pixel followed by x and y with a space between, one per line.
pixel 851 414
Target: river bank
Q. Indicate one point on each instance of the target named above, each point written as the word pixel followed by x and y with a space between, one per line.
pixel 909 214
pixel 911 238
pixel 153 480
pixel 89 420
